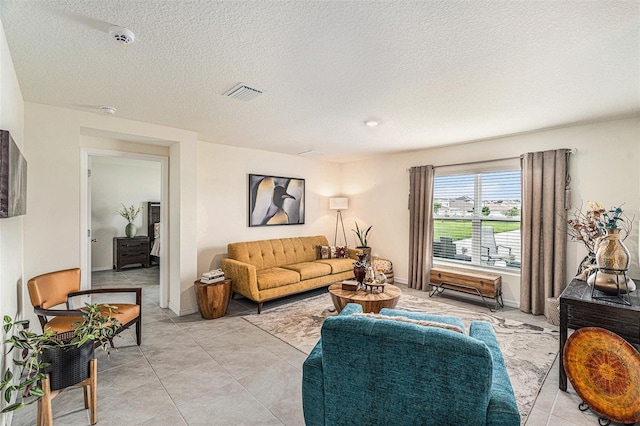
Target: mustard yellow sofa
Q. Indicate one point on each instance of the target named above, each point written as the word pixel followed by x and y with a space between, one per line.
pixel 269 269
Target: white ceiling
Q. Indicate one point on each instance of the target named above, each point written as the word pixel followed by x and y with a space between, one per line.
pixel 434 72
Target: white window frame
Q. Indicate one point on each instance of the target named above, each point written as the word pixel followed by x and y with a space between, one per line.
pixel 477 219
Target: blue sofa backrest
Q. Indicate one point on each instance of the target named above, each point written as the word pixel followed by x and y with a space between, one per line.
pixel 380 371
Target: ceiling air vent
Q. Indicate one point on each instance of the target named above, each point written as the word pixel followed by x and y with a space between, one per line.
pixel 243 92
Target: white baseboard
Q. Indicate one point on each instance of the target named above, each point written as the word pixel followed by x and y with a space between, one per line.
pixel 101 268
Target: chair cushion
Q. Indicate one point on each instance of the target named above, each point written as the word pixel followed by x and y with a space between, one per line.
pixel 276 277
pixel 308 270
pixel 126 312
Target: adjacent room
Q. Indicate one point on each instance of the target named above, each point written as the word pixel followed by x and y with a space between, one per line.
pixel 320 212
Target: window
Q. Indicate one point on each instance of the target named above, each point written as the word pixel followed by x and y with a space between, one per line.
pixel 477 218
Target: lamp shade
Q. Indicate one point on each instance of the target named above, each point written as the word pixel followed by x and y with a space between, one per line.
pixel 338 203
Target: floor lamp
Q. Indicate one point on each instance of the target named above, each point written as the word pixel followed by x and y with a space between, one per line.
pixel 339 204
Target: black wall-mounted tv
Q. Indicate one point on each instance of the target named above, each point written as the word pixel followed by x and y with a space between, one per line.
pixel 13 178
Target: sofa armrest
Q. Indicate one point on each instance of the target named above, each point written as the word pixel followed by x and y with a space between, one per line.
pixel 313 387
pixel 351 308
pixel 503 409
pixel 243 277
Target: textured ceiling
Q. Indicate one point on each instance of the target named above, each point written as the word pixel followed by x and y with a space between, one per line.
pixel 433 72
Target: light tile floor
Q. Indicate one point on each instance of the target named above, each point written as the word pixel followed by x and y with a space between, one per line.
pixel 190 371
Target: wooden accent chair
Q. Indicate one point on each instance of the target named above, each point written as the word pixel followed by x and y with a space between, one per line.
pixel 90 389
pixel 58 287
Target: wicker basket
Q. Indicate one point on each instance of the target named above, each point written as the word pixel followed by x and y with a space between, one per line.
pixel 552 311
pixel 68 364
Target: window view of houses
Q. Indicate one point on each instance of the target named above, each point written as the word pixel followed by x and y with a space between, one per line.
pixel 477 218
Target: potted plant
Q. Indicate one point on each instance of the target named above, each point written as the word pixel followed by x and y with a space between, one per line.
pixel 65 357
pixel 362 235
pixel 130 213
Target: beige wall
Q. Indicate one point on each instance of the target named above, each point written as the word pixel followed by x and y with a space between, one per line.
pixel 53 142
pixel 11 229
pixel 223 197
pixel 605 169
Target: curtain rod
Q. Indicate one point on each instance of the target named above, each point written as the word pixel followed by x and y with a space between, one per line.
pixel 468 163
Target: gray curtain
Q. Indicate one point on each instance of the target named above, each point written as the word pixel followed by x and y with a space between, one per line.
pixel 420 226
pixel 545 181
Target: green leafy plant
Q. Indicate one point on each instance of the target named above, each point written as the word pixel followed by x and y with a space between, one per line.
pixel 97 326
pixel 130 213
pixel 362 234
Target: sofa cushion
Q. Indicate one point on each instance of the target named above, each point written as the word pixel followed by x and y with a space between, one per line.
pixel 264 254
pixel 308 270
pixel 423 323
pixel 338 265
pixel 276 277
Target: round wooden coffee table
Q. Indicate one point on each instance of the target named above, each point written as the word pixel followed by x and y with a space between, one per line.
pixel 370 302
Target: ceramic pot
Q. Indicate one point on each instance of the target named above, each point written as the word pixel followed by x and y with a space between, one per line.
pixel 130 230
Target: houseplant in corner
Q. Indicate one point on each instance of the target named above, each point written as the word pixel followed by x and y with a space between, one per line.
pixel 362 235
pixel 65 357
pixel 130 213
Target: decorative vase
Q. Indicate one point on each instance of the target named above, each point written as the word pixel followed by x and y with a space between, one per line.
pixel 360 267
pixel 130 230
pixel 612 258
pixel 611 255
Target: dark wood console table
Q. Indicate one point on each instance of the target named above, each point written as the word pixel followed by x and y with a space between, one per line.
pixel 578 309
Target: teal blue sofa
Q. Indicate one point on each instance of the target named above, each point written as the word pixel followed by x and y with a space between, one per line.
pixel 371 371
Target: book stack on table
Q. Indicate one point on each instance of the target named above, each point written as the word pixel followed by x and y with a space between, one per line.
pixel 212 276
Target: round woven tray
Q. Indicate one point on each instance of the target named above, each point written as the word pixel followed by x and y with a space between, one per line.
pixel 604 370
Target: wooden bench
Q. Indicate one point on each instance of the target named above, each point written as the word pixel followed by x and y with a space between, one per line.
pixel 478 283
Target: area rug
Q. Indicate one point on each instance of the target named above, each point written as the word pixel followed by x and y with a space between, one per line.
pixel 528 350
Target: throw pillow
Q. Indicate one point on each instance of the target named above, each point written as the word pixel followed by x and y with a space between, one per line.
pixel 341 252
pixel 323 252
pixel 412 321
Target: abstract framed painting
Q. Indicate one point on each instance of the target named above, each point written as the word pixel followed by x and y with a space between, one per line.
pixel 275 200
pixel 13 178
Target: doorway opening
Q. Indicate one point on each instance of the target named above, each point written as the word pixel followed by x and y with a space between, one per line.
pixel 114 181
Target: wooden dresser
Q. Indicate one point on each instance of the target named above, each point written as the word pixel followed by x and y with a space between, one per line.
pixel 130 251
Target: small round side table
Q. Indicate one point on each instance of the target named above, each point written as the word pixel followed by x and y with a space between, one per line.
pixel 604 370
pixel 213 299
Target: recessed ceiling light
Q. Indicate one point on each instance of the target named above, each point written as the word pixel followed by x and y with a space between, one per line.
pixel 371 123
pixel 109 110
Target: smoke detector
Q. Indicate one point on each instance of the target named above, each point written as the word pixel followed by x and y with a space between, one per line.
pixel 122 35
pixel 109 110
